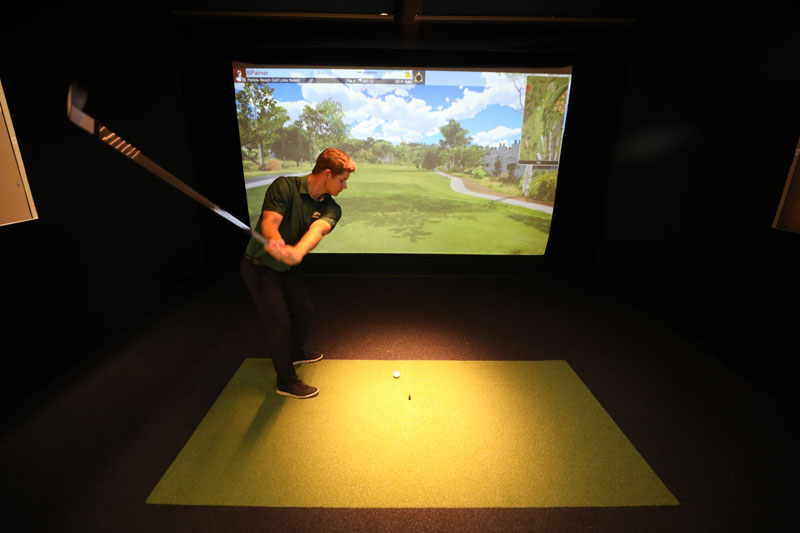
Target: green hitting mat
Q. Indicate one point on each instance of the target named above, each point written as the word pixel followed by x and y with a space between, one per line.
pixel 472 434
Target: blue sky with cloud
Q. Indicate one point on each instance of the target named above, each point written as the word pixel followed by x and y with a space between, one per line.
pixel 487 104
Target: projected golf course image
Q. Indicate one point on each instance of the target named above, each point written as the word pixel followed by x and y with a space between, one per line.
pixel 399 209
pixel 447 161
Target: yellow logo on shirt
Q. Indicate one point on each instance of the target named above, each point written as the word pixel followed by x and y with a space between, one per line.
pixel 316 214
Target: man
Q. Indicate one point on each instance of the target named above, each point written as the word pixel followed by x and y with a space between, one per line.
pixel 297 213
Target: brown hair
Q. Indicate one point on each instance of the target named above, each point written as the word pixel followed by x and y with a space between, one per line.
pixel 334 160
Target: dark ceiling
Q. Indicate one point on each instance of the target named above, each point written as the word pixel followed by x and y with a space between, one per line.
pixel 526 8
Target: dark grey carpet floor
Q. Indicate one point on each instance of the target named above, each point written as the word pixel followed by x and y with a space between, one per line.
pixel 84 451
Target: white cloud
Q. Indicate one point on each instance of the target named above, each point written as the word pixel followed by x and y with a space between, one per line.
pixel 294 109
pixel 502 91
pixel 348 96
pixel 499 91
pixel 375 91
pixel 366 128
pixel 397 131
pixel 394 114
pixel 500 134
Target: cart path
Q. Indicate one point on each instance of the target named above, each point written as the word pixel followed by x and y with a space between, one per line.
pixel 258 181
pixel 465 186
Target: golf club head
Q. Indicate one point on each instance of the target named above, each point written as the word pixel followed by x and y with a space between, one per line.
pixel 77 96
pixel 76 101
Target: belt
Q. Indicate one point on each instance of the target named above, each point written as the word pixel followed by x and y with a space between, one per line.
pixel 253 261
pixel 256 262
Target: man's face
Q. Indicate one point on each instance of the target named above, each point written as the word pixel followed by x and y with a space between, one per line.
pixel 336 183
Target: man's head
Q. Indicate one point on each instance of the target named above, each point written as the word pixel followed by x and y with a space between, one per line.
pixel 334 160
pixel 334 166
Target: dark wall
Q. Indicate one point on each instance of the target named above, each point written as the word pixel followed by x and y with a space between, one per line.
pixel 111 240
pixel 680 135
pixel 707 133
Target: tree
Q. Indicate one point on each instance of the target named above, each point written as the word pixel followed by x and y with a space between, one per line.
pixel 260 118
pixel 290 144
pixel 498 166
pixel 336 129
pixel 324 125
pixel 472 156
pixel 310 121
pixel 382 151
pixel 402 153
pixel 430 159
pixel 351 146
pixel 519 83
pixel 454 136
pixel 443 158
pixel 418 155
pixel 362 155
pixel 511 167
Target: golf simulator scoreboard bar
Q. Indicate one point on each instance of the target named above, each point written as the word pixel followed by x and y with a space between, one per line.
pixel 354 77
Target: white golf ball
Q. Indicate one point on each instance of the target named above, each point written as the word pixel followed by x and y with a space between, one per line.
pixel 396 374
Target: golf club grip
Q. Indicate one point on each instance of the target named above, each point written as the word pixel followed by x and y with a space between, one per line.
pixel 128 150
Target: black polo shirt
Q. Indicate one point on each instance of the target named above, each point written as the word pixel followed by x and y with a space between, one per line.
pixel 289 196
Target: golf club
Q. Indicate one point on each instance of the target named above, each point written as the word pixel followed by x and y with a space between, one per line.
pixel 76 101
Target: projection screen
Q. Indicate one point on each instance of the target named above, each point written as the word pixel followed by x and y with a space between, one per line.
pixel 448 161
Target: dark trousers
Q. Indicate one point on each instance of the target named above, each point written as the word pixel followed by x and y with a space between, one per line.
pixel 285 309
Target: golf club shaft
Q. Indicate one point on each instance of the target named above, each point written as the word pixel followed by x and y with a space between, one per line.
pixel 89 124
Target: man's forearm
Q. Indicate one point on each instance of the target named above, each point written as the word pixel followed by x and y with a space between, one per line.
pixel 307 242
pixel 269 229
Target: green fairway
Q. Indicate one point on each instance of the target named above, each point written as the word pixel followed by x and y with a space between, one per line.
pixel 472 434
pixel 398 209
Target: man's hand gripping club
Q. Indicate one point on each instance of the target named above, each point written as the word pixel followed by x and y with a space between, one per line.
pixel 285 253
